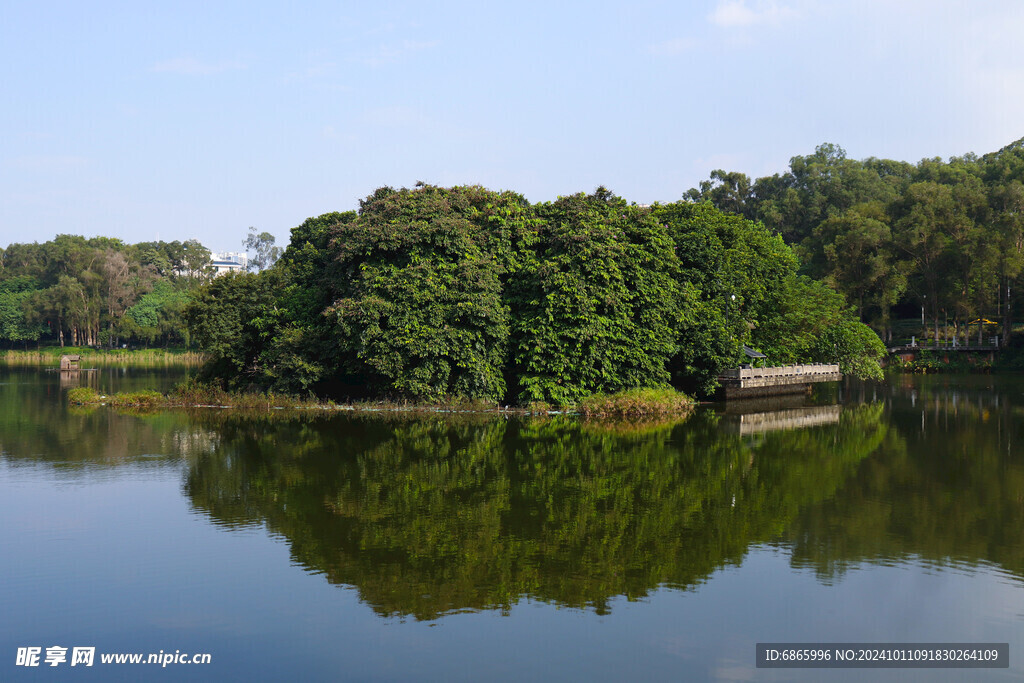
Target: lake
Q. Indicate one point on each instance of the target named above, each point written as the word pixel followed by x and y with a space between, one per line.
pixel 393 547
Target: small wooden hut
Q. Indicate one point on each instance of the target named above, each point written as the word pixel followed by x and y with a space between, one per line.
pixel 69 363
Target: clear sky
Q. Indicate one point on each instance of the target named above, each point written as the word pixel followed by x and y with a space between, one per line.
pixel 158 120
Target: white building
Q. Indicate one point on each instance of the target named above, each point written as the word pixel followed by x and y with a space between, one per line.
pixel 229 262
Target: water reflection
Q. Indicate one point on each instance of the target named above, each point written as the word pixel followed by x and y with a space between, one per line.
pixel 37 425
pixel 775 420
pixel 430 516
pixel 949 490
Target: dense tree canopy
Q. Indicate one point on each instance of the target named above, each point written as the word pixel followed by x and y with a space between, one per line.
pixel 418 285
pixel 433 293
pixel 946 237
pixel 98 291
pixel 597 303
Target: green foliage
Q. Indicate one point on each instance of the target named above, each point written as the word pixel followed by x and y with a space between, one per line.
pixel 822 185
pixel 167 258
pixel 854 346
pixel 596 303
pixel 231 319
pixel 418 280
pixel 811 323
pixel 264 251
pixel 728 191
pixel 15 297
pixel 304 349
pixel 732 269
pixel 195 260
pixel 98 291
pixel 636 403
pixel 83 396
pixel 947 236
pixel 439 294
pixel 859 259
pixel 159 314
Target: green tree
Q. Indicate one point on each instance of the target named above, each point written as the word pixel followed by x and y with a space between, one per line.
pixel 263 249
pixel 195 261
pixel 731 267
pixel 859 261
pixel 304 350
pixel 596 304
pixel 418 280
pixel 15 294
pixel 810 323
pixel 728 191
pixel 158 314
pixel 167 258
pixel 230 318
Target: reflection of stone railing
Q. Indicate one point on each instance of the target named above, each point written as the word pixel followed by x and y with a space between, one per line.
pixel 784 371
pixel 798 418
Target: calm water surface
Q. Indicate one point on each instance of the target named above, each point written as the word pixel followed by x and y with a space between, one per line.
pixel 484 548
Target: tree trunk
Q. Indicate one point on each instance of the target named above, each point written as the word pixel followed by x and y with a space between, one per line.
pixel 1007 319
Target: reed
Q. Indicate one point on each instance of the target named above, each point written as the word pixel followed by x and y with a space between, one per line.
pixel 194 393
pixel 636 403
pixel 143 358
pixel 138 399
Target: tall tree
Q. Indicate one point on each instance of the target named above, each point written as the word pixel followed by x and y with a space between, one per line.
pixel 262 247
pixel 195 260
pixel 596 306
pixel 418 279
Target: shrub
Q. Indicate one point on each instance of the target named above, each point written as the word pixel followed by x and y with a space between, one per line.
pixel 137 399
pixel 82 396
pixel 635 403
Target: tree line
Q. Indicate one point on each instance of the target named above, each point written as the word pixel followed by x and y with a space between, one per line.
pixel 102 292
pixel 939 239
pixel 430 293
pixel 98 291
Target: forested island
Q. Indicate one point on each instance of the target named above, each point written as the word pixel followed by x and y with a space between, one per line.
pixel 432 293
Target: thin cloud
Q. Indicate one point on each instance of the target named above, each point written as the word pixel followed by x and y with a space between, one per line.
pixel 395 117
pixel 189 66
pixel 394 52
pixel 738 13
pixel 671 48
pixel 322 76
pixel 314 71
pixel 50 163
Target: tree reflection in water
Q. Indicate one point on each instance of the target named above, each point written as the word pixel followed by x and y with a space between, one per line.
pixel 431 515
pixel 427 516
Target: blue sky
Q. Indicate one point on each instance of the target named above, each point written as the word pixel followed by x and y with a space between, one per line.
pixel 199 119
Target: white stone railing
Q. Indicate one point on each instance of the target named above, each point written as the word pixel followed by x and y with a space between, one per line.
pixel 784 371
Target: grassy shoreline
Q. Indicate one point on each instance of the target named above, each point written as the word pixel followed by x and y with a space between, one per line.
pixel 633 404
pixel 142 358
